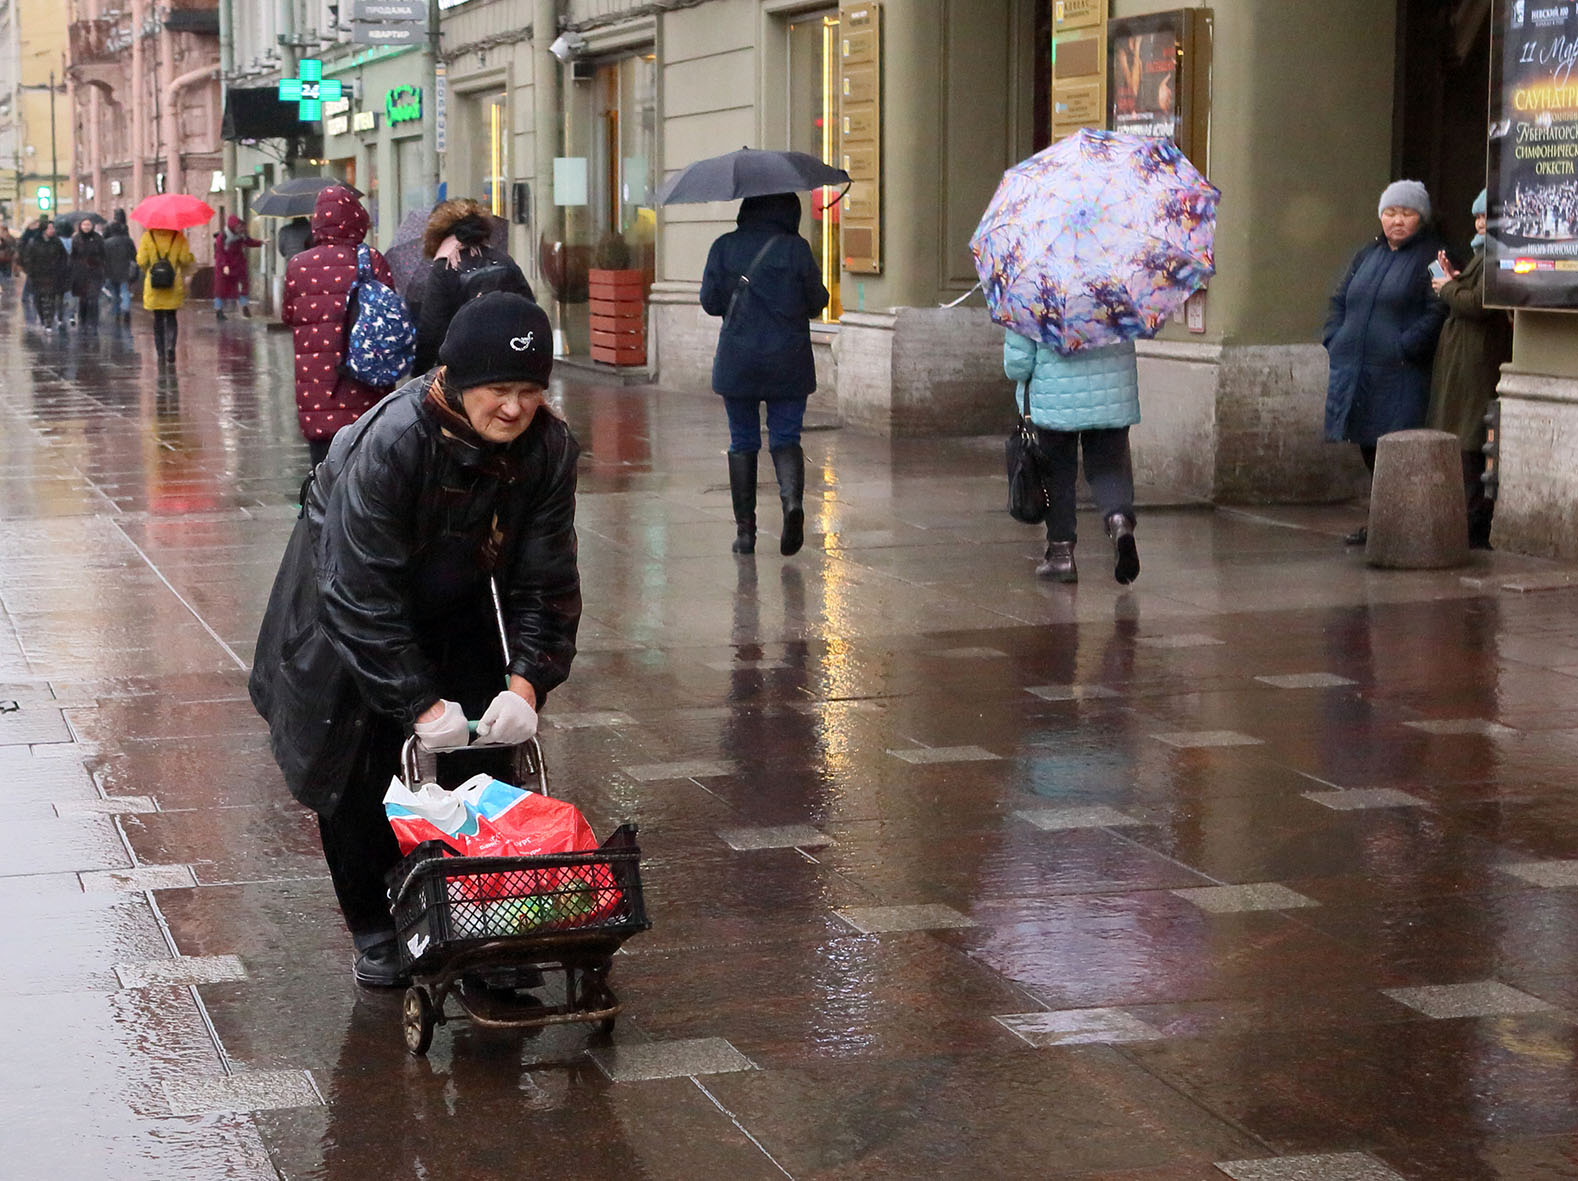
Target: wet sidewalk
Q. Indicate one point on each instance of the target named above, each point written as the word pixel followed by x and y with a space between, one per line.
pixel 1265 868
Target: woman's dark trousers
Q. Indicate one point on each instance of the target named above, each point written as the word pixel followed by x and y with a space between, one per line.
pixel 1108 471
pixel 164 331
pixel 48 305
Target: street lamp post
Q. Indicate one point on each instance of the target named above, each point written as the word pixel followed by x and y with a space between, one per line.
pixel 54 158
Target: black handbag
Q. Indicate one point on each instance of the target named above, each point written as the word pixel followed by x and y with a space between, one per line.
pixel 1028 500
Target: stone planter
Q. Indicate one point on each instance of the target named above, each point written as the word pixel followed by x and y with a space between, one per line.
pixel 618 316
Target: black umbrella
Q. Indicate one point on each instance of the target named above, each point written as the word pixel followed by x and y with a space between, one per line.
pixel 749 172
pixel 296 197
pixel 67 223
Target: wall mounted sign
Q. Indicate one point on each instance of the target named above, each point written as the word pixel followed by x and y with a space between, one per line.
pixel 309 90
pixel 364 121
pixel 860 134
pixel 1155 67
pixel 1079 66
pixel 403 104
pixel 1531 244
pixel 390 10
pixel 388 33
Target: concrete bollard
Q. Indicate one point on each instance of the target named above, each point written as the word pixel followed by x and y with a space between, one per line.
pixel 1418 517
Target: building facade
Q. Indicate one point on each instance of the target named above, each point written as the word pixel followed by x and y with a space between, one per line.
pixel 143 82
pixel 35 117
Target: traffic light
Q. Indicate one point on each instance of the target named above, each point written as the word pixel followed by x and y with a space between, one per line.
pixel 46 198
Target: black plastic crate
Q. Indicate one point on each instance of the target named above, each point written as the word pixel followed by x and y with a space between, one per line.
pixel 443 903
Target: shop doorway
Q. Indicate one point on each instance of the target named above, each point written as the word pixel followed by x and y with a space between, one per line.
pixel 813 72
pixel 1441 111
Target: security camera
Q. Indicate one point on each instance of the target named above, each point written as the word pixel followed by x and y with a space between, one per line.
pixel 567 45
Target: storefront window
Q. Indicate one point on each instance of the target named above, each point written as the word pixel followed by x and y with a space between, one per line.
pixel 813 115
pixel 494 182
pixel 409 180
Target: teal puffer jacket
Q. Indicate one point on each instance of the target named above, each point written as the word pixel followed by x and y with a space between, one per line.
pixel 1092 390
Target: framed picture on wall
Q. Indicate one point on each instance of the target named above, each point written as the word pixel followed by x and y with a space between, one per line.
pixel 1157 75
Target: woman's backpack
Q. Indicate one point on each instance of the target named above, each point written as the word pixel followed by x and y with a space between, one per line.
pixel 161 276
pixel 381 341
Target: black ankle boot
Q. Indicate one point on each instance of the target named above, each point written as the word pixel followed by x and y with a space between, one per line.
pixel 789 467
pixel 742 491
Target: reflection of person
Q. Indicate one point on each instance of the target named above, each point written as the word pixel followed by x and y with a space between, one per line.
pixel 763 280
pixel 1475 341
pixel 231 278
pixel 318 281
pixel 381 622
pixel 164 246
pixel 464 266
pixel 1088 400
pixel 1381 331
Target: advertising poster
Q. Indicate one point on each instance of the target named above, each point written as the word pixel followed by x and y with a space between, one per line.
pixel 1144 75
pixel 1531 251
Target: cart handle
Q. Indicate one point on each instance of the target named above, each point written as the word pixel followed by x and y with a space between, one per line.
pixel 420 765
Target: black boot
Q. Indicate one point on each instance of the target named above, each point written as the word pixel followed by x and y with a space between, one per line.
pixel 742 491
pixel 789 467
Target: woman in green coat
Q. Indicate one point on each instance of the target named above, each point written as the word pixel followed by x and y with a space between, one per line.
pixel 1474 343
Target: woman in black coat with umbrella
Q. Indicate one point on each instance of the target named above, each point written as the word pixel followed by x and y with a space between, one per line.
pixel 763 280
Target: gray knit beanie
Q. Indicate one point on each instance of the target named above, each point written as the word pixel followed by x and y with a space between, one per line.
pixel 1405 194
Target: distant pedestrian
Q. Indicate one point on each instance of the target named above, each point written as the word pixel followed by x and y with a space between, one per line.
pixel 120 269
pixel 1381 331
pixel 8 249
pixel 46 262
pixel 165 257
pixel 317 282
pixel 465 265
pixel 230 266
pixel 763 280
pixel 294 237
pixel 1474 344
pixel 1086 401
pixel 89 267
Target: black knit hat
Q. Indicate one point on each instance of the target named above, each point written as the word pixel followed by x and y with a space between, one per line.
pixel 498 337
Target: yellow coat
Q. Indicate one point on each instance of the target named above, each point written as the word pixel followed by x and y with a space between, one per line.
pixel 170 244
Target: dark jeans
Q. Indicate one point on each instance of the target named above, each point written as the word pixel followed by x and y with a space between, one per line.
pixel 1481 508
pixel 784 416
pixel 48 305
pixel 88 311
pixel 1368 455
pixel 164 331
pixel 1107 471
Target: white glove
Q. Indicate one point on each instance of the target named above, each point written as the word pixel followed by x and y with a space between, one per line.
pixel 448 731
pixel 509 720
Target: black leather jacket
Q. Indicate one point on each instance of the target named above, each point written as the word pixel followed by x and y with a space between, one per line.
pixel 389 562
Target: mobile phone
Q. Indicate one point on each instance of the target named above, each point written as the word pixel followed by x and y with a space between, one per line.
pixel 1437 271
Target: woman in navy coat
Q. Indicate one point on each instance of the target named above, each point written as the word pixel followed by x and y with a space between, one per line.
pixel 764 282
pixel 1381 332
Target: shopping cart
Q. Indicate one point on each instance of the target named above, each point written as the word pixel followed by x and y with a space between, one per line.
pixel 479 931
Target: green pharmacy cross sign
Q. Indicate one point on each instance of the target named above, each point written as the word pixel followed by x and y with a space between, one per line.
pixel 309 90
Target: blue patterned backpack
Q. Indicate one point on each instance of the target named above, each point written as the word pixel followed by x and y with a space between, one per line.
pixel 381 342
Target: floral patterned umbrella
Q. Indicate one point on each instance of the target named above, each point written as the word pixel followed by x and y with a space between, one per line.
pixel 1098 239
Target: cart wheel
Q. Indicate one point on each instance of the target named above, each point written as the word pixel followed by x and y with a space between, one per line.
pixel 419 1020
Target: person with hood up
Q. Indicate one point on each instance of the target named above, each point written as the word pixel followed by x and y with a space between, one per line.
pixel 763 280
pixel 154 248
pixel 120 269
pixel 88 267
pixel 465 265
pixel 1381 331
pixel 381 622
pixel 317 283
pixel 230 266
pixel 1475 341
pixel 47 266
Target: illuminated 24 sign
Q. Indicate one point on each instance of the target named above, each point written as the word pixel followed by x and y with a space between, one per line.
pixel 310 90
pixel 403 104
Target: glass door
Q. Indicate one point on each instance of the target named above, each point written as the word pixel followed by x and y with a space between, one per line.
pixel 813 116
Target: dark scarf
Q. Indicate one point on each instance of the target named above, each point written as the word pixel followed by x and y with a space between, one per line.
pixel 490 459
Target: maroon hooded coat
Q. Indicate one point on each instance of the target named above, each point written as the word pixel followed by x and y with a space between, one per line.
pixel 230 259
pixel 316 284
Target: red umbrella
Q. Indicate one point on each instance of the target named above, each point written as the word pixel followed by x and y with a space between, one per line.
pixel 171 211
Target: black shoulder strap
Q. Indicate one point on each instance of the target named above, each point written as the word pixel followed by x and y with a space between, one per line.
pixel 745 279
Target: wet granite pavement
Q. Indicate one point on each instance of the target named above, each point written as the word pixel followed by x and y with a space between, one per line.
pixel 1266 868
